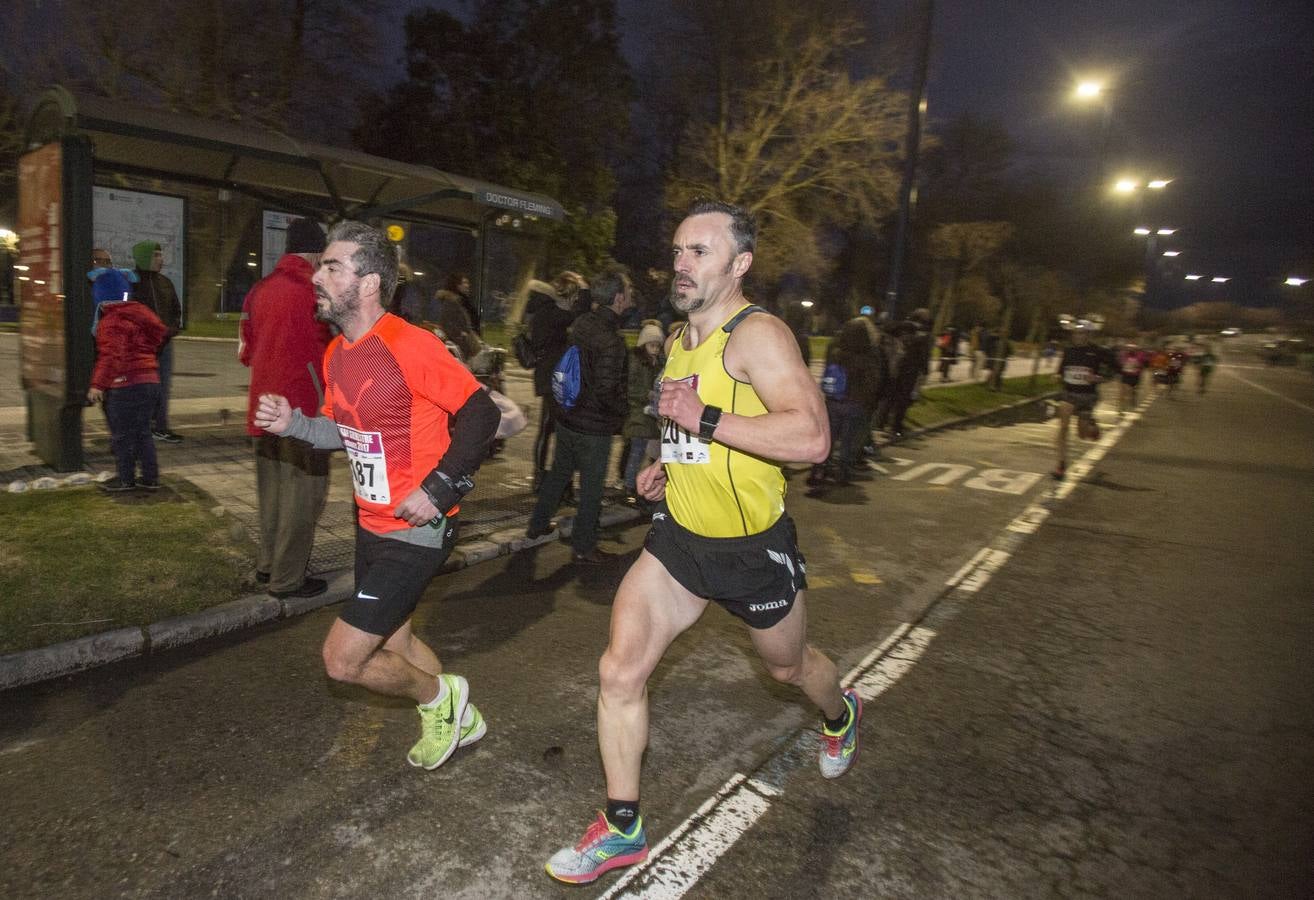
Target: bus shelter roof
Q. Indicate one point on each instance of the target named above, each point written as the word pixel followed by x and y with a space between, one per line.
pixel 271 165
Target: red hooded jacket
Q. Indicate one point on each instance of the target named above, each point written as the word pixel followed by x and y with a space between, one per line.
pixel 282 341
pixel 127 339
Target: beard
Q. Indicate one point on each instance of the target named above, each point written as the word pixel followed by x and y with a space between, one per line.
pixel 340 311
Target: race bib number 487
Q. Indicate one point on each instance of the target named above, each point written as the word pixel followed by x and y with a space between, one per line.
pixel 369 466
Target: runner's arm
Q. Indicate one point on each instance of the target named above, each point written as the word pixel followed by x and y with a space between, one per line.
pixel 762 351
pixel 473 427
pixel 319 432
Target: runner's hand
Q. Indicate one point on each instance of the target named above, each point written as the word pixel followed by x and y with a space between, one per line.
pixel 679 402
pixel 417 509
pixel 273 414
pixel 95 395
pixel 651 483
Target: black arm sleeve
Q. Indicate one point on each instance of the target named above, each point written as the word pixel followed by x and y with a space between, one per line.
pixel 473 427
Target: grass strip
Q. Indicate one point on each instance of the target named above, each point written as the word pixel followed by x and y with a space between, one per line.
pixel 942 404
pixel 76 561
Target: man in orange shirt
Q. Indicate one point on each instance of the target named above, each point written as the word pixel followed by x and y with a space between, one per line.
pixel 415 425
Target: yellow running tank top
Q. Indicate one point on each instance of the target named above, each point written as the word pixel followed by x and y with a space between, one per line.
pixel 711 489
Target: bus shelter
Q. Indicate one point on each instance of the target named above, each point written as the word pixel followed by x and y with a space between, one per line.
pixel 217 197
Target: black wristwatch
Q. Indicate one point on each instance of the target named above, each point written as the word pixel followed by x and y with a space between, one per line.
pixel 707 424
pixel 445 493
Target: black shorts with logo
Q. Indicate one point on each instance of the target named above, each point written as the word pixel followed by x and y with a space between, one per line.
pixel 391 577
pixel 756 577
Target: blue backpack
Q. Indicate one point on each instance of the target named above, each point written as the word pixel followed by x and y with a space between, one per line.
pixel 565 379
pixel 835 382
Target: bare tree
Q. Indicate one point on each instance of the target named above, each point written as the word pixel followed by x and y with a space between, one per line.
pixel 794 138
pixel 959 249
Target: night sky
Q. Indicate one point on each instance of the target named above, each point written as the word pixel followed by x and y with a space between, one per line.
pixel 1216 94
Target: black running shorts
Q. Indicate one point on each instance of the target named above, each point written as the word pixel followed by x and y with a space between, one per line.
pixel 391 577
pixel 756 577
pixel 1083 403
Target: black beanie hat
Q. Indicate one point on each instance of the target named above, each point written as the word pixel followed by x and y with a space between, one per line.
pixel 304 236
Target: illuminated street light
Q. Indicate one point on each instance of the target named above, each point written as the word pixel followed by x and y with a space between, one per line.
pixel 1089 90
pixel 1219 279
pixel 1166 231
pixel 806 304
pixel 1295 281
pixel 1141 231
pixel 1126 186
pixel 1159 184
pixel 1172 253
pixel 1194 277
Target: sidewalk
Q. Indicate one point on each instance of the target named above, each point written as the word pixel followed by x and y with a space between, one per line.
pixel 216 457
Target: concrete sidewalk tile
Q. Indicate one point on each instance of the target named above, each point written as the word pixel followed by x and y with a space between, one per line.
pixel 220 619
pixel 71 656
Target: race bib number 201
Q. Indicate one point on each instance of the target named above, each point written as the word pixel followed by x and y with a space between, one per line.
pixel 683 447
pixel 369 466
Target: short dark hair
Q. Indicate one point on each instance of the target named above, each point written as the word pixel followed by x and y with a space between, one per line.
pixel 608 283
pixel 375 254
pixel 743 224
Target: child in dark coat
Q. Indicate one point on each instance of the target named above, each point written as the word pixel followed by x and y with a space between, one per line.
pixel 127 379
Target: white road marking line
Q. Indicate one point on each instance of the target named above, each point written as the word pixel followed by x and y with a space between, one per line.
pixel 900 660
pixel 967 567
pixel 991 563
pixel 1260 387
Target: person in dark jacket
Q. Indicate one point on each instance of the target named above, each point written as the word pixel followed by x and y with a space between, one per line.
pixel 283 343
pixel 549 316
pixel 848 410
pixel 912 365
pixel 157 293
pixel 584 432
pixel 127 378
pixel 641 427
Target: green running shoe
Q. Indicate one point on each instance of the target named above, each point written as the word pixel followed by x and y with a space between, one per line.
pixel 840 751
pixel 440 725
pixel 601 849
pixel 473 726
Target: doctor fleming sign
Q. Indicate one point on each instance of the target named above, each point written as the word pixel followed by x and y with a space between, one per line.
pixel 519 204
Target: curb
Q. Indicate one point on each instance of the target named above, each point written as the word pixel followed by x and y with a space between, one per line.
pixel 43 664
pixel 69 657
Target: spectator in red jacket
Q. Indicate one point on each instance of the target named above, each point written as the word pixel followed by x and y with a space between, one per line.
pixel 283 344
pixel 127 379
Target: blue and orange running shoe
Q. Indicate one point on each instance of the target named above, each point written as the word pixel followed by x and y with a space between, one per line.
pixel 839 751
pixel 603 848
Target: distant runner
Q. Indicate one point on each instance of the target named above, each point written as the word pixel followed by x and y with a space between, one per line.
pixel 1081 369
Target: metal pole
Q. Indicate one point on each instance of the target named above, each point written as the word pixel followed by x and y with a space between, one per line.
pixel 916 110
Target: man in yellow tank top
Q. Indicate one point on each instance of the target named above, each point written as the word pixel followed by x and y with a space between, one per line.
pixel 737 402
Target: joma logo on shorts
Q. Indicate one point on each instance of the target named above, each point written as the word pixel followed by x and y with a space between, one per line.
pixel 763 607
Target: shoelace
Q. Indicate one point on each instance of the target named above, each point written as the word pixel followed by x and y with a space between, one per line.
pixel 432 723
pixel 597 831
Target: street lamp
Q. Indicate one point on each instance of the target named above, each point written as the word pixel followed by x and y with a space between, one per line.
pixel 1295 281
pixel 1194 277
pixel 1089 90
pixel 1220 279
pixel 1171 253
pixel 1158 184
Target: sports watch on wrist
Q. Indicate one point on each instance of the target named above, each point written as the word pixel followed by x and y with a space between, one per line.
pixel 707 424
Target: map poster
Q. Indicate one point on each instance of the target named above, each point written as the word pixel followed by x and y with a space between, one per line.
pixel 41 284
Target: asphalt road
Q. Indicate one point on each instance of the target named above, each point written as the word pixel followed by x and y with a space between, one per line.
pixel 1105 693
